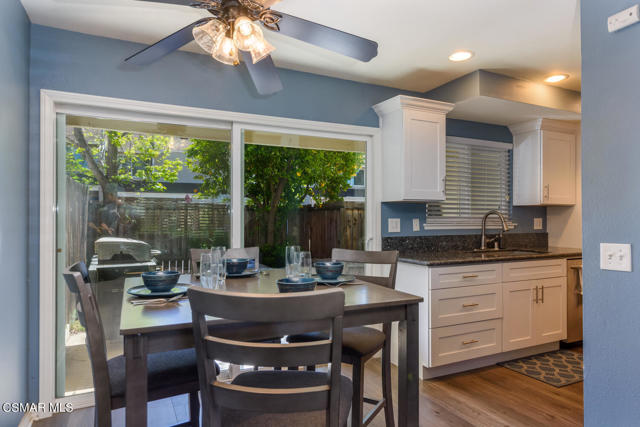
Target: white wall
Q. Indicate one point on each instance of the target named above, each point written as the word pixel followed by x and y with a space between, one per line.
pixel 564 223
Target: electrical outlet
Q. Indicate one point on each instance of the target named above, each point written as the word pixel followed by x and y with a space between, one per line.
pixel 615 256
pixel 416 224
pixel 394 225
pixel 537 223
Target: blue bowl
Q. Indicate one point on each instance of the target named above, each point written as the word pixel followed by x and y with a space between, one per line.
pixel 329 270
pixel 299 284
pixel 237 265
pixel 160 281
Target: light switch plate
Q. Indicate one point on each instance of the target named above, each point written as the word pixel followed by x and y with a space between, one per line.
pixel 537 223
pixel 615 256
pixel 394 225
pixel 416 224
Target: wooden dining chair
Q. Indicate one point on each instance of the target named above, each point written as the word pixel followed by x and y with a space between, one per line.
pixel 171 373
pixel 361 343
pixel 271 398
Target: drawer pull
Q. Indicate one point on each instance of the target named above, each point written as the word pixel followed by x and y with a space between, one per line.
pixel 469 342
pixel 469 276
pixel 473 304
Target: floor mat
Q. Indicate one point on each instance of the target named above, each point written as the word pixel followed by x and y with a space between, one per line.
pixel 558 368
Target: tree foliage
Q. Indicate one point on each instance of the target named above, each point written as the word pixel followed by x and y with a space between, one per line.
pixel 276 179
pixel 129 161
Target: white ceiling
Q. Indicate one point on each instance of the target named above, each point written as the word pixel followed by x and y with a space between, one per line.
pixel 522 38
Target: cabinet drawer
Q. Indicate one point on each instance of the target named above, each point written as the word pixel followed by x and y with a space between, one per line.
pixel 452 344
pixel 530 270
pixel 463 305
pixel 465 275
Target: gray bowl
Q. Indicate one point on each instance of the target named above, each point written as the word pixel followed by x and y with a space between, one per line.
pixel 299 284
pixel 237 265
pixel 329 270
pixel 160 281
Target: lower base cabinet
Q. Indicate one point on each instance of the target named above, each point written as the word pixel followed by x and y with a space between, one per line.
pixel 451 344
pixel 534 312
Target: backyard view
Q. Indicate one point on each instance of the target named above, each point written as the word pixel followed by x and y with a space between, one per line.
pixel 137 197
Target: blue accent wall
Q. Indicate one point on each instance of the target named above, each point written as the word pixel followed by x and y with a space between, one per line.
pixel 610 211
pixel 523 216
pixel 14 87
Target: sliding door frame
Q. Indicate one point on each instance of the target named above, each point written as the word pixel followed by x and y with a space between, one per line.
pixel 54 102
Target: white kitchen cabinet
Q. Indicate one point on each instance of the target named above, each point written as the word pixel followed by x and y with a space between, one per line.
pixel 413 148
pixel 534 312
pixel 544 163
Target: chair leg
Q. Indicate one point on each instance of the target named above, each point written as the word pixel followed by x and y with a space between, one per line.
pixel 387 393
pixel 194 409
pixel 358 393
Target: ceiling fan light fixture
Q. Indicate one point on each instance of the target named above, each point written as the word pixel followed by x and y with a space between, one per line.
pixel 246 33
pixel 261 49
pixel 226 51
pixel 209 35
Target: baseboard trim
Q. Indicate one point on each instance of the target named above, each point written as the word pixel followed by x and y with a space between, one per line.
pixel 481 362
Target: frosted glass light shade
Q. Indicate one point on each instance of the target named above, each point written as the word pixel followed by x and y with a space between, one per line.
pixel 226 52
pixel 261 49
pixel 246 33
pixel 208 35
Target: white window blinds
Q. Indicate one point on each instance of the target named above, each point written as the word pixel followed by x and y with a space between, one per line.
pixel 478 180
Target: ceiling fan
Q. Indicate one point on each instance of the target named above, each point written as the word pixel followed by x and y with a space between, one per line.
pixel 232 31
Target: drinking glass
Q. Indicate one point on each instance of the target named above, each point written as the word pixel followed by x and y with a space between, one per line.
pixel 292 261
pixel 218 251
pixel 207 268
pixel 221 274
pixel 305 264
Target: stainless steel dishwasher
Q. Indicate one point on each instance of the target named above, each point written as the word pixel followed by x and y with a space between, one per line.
pixel 574 300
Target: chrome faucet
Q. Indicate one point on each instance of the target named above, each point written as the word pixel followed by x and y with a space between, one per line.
pixel 505 227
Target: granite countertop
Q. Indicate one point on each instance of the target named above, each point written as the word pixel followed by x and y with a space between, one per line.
pixel 435 258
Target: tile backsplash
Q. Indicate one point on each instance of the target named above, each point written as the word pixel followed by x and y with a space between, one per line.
pixel 462 242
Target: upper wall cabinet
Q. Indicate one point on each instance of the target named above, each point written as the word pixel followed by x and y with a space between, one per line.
pixel 413 148
pixel 544 163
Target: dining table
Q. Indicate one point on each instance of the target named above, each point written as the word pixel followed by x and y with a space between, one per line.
pixel 148 329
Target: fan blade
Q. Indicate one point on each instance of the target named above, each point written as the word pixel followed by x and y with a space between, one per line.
pixel 264 74
pixel 328 38
pixel 165 46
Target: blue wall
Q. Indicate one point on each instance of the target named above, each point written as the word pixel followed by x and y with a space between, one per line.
pixel 523 216
pixel 14 86
pixel 610 211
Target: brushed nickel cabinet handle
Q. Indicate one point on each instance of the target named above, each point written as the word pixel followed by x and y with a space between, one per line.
pixel 469 276
pixel 469 342
pixel 547 189
pixel 473 304
pixel 536 294
pixel 542 299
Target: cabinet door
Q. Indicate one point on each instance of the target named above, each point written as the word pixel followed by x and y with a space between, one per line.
pixel 424 155
pixel 518 315
pixel 551 310
pixel 558 168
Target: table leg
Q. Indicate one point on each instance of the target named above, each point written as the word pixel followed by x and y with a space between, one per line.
pixel 135 353
pixel 408 369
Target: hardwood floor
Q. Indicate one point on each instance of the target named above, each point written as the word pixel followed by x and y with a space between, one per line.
pixel 492 396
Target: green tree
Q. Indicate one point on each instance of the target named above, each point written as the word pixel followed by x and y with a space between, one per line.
pixel 119 160
pixel 276 179
pixel 112 159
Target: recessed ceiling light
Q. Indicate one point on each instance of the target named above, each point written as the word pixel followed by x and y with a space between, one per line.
pixel 460 55
pixel 555 78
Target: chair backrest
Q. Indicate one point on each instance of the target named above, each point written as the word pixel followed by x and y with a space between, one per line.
pixel 274 311
pixel 371 257
pixel 77 278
